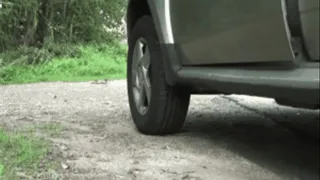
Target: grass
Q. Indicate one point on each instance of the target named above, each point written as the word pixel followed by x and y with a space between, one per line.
pixel 51 129
pixel 94 63
pixel 20 151
pixel 1 170
pixel 23 152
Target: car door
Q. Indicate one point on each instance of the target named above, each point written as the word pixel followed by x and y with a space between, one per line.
pixel 310 17
pixel 230 31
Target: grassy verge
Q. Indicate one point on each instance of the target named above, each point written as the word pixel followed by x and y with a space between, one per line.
pixel 93 63
pixel 19 152
pixel 23 155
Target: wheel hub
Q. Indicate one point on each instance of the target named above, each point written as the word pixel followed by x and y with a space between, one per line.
pixel 141 76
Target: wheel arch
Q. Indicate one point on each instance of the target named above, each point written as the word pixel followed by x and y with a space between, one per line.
pixel 157 10
pixel 295 27
pixel 138 8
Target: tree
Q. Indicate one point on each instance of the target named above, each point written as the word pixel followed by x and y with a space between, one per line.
pixel 36 22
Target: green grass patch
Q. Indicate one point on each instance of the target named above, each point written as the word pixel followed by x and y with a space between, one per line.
pixel 51 129
pixel 1 170
pixel 20 152
pixel 89 62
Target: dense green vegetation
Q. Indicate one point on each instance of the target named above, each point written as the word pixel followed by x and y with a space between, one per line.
pixel 83 63
pixel 41 22
pixel 61 40
pixel 55 40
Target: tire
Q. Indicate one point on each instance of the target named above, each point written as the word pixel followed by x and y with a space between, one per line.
pixel 168 105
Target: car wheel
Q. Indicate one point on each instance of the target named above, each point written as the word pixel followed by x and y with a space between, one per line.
pixel 156 107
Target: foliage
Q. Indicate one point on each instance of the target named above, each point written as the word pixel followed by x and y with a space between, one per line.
pixel 79 63
pixel 19 151
pixel 25 55
pixel 50 40
pixel 1 170
pixel 40 22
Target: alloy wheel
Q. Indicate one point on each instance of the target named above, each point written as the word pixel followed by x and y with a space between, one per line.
pixel 141 76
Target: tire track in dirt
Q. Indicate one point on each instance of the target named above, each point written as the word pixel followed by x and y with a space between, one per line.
pixel 220 140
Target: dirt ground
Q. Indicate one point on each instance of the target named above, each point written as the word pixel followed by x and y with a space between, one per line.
pixel 224 138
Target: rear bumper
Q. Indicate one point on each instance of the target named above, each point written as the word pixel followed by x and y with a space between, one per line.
pixel 309 12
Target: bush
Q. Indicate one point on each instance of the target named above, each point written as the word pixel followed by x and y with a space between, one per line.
pixel 95 61
pixel 37 22
pixel 25 55
pixel 42 40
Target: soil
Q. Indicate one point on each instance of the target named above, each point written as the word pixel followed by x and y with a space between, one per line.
pixel 224 137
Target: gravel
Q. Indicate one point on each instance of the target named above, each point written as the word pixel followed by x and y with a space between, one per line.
pixel 224 138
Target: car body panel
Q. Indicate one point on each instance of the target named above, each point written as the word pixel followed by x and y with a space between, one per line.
pixel 211 32
pixel 299 85
pixel 257 33
pixel 309 10
pixel 158 12
pixel 161 15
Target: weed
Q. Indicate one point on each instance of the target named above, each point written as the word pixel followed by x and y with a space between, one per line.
pixel 20 152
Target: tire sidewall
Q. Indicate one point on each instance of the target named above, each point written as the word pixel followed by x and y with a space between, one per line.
pixel 150 121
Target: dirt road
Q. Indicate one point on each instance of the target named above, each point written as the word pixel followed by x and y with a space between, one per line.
pixel 225 137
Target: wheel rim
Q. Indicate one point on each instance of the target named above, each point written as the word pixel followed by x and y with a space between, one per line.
pixel 141 76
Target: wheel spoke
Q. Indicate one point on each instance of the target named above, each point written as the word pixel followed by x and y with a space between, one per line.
pixel 146 85
pixel 138 53
pixel 136 95
pixel 140 76
pixel 145 60
pixel 145 63
pixel 147 89
pixel 136 81
pixel 141 99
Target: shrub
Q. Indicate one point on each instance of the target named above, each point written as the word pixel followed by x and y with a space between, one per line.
pixel 37 22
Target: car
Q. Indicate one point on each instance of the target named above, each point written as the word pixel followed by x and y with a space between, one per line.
pixel 177 48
